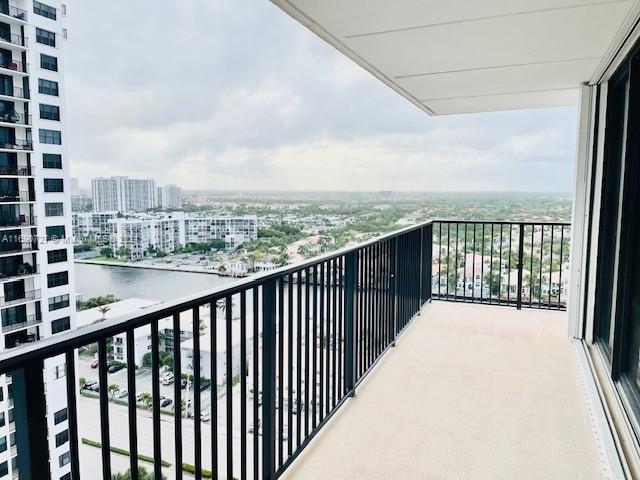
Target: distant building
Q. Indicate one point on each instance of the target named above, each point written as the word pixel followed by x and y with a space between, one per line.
pixel 169 196
pixel 142 232
pixel 74 183
pixel 123 194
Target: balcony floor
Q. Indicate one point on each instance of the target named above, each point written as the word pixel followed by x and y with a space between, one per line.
pixel 469 392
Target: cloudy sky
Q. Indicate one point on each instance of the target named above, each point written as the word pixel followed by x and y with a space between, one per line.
pixel 230 94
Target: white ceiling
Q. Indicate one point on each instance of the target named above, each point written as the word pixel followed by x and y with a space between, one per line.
pixel 456 56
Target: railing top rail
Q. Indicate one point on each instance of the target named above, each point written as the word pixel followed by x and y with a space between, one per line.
pixel 63 342
pixel 502 222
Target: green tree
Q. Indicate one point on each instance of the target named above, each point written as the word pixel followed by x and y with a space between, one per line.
pixel 146 399
pixel 106 252
pixel 82 381
pixel 113 389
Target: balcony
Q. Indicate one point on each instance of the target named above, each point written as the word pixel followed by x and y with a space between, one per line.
pixel 19 248
pixel 21 323
pixel 18 144
pixel 14 93
pixel 14 14
pixel 442 380
pixel 29 296
pixel 16 196
pixel 16 170
pixel 23 270
pixel 15 40
pixel 14 118
pixel 14 65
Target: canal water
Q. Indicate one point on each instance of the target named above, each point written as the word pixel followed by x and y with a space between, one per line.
pixel 127 282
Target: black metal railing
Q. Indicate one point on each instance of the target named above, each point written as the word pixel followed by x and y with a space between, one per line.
pixel 520 264
pixel 270 359
pixel 18 324
pixel 295 344
pixel 18 221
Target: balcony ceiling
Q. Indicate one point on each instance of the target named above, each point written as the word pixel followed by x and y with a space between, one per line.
pixel 476 55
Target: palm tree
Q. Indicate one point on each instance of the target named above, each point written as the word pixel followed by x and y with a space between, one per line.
pixel 146 399
pixel 82 381
pixel 113 389
pixel 103 310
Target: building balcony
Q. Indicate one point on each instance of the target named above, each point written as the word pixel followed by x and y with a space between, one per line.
pixel 16 171
pixel 18 248
pixel 13 93
pixel 14 65
pixel 18 144
pixel 23 270
pixel 14 40
pixel 354 346
pixel 29 296
pixel 17 196
pixel 14 119
pixel 21 323
pixel 14 15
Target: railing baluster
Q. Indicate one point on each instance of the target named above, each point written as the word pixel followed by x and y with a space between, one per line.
pixel 104 408
pixel 72 409
pixel 256 385
pixel 243 384
pixel 229 381
pixel 280 357
pixel 155 388
pixel 550 269
pixel 213 347
pixel 131 405
pixel 299 354
pixel 197 428
pixel 314 355
pixel 177 393
pixel 290 335
pixel 520 259
pixel 307 336
pixel 268 379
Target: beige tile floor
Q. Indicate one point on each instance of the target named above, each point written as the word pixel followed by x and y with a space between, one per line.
pixel 469 392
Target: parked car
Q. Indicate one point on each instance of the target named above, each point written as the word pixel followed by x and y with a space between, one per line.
pixel 167 379
pixel 88 384
pixel 115 367
pixel 165 402
pixel 94 363
pixel 93 386
pixel 122 394
pixel 183 383
pixel 204 417
pixel 204 385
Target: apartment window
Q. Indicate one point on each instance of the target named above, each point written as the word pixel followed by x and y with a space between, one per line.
pixel 64 459
pixel 51 160
pixel 47 87
pixel 4 469
pixel 57 279
pixel 66 476
pixel 54 209
pixel 62 438
pixel 53 137
pixel 49 112
pixel 60 416
pixel 60 325
pixel 58 302
pixel 48 62
pixel 45 37
pixel 53 185
pixel 2 420
pixel 57 256
pixel 44 10
pixel 56 232
pixel 3 444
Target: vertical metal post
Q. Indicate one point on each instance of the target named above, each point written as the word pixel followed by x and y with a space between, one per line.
pixel 268 379
pixel 520 260
pixel 394 289
pixel 349 309
pixel 427 260
pixel 31 421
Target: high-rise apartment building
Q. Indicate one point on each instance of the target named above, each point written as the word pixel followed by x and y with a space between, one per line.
pixel 123 194
pixel 36 273
pixel 169 196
